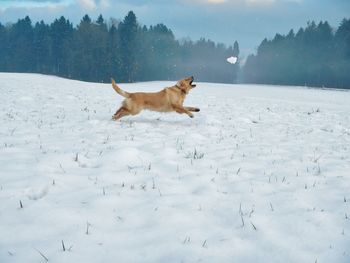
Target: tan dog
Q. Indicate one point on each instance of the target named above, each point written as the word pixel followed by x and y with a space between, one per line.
pixel 166 100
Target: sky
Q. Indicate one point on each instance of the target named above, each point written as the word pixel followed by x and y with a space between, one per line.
pixel 247 21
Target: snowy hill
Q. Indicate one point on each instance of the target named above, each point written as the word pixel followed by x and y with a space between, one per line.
pixel 260 174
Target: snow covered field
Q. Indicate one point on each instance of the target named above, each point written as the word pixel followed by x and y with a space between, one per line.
pixel 260 174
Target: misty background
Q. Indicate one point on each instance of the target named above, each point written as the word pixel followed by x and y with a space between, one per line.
pixel 96 51
pixel 294 42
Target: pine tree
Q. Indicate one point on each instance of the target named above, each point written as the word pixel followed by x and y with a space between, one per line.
pixel 235 53
pixel 342 38
pixel 100 54
pixel 342 46
pixel 82 55
pixel 21 46
pixel 42 48
pixel 61 36
pixel 156 53
pixel 113 61
pixel 3 48
pixel 128 30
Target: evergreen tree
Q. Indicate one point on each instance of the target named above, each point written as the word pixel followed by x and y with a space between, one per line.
pixel 21 46
pixel 61 36
pixel 156 53
pixel 235 69
pixel 342 37
pixel 100 54
pixel 342 44
pixel 128 47
pixel 83 46
pixel 3 48
pixel 113 61
pixel 42 48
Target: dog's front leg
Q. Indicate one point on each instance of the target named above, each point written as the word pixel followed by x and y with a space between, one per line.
pixel 181 109
pixel 192 109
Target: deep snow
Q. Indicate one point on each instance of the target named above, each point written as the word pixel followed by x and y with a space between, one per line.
pixel 261 174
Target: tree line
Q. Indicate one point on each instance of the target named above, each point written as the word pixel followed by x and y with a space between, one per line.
pixel 316 55
pixel 98 50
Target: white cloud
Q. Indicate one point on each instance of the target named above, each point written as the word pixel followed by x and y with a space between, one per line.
pixel 92 5
pixel 270 1
pixel 33 4
pixel 216 1
pixel 239 2
pixel 260 1
pixel 87 4
pixel 104 4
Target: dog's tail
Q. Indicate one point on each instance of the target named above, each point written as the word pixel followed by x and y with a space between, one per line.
pixel 119 90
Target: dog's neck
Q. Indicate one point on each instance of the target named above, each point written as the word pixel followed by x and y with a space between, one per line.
pixel 179 87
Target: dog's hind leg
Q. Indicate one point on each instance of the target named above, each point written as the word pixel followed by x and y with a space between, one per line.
pixel 121 113
pixel 192 109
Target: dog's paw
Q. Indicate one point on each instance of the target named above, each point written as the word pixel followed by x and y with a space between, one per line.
pixel 191 116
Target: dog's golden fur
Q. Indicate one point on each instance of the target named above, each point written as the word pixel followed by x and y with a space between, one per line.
pixel 166 100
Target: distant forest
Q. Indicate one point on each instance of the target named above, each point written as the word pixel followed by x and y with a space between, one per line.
pixel 315 56
pixel 125 50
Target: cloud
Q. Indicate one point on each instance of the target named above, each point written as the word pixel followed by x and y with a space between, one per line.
pixel 30 1
pixel 216 1
pixel 105 4
pixel 10 4
pixel 240 2
pixel 87 4
pixel 260 1
pixel 272 1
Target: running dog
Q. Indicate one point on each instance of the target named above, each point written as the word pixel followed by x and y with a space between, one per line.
pixel 167 100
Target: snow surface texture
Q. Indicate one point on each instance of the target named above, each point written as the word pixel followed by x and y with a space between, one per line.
pixel 261 174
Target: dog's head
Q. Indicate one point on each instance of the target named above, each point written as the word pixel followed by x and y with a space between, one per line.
pixel 186 84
